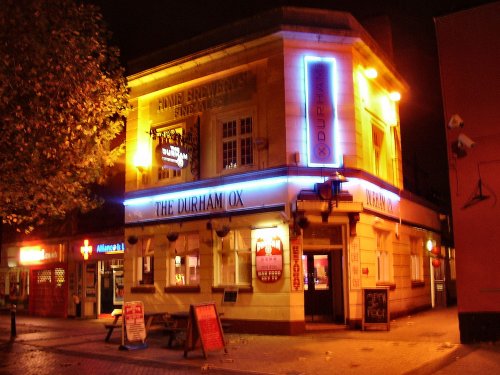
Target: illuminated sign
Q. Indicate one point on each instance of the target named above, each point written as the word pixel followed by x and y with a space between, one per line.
pixel 269 259
pixel 113 248
pixel 321 112
pixel 171 156
pixel 374 198
pixel 86 249
pixel 31 255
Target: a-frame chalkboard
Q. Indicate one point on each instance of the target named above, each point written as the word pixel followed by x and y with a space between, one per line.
pixel 376 312
pixel 205 329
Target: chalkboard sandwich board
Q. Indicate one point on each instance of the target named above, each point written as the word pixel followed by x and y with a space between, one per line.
pixel 376 312
pixel 205 329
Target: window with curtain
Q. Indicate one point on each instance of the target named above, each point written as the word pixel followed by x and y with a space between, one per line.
pixel 184 260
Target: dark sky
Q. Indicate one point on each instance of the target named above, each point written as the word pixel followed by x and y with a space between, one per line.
pixel 143 26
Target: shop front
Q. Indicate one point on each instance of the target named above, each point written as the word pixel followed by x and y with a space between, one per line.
pixel 97 276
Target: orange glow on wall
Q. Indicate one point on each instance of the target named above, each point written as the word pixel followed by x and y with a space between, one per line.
pixel 86 250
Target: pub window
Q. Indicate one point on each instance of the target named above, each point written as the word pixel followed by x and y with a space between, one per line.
pixel 377 138
pixel 233 258
pixel 383 257
pixel 145 262
pixel 416 259
pixel 237 143
pixel 184 260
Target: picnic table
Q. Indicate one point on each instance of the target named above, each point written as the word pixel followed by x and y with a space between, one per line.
pixel 149 317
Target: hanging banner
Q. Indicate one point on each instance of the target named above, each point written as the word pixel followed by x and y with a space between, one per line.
pixel 269 259
pixel 296 265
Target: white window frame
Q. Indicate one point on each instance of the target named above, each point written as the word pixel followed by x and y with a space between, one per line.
pixel 237 138
pixel 416 259
pixel 383 257
pixel 236 245
pixel 184 260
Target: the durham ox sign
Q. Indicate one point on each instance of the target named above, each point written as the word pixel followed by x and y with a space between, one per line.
pixel 218 199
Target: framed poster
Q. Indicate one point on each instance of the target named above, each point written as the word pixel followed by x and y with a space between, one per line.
pixel 269 259
pixel 376 312
pixel 118 290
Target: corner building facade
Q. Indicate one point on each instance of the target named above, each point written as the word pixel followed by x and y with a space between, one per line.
pixel 264 173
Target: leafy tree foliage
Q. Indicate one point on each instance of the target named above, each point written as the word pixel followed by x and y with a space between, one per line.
pixel 63 100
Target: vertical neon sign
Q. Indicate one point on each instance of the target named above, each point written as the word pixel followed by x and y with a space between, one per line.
pixel 321 112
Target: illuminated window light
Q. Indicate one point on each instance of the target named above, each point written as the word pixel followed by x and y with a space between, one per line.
pixel 323 145
pixel 371 73
pixel 395 96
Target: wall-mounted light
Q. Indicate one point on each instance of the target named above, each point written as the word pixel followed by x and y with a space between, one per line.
pixel 371 73
pixel 395 96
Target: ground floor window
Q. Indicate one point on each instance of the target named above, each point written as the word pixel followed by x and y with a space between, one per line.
pixel 383 257
pixel 233 258
pixel 416 259
pixel 184 260
pixel 145 260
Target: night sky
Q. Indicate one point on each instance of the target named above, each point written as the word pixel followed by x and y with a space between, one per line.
pixel 142 27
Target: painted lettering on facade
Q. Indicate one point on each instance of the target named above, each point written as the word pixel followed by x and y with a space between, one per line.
pixel 204 97
pixel 199 204
pixel 378 201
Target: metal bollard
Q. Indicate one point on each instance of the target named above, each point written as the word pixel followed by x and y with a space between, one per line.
pixel 13 332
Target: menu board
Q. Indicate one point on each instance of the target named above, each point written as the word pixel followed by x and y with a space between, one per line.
pixel 134 321
pixel 376 308
pixel 204 328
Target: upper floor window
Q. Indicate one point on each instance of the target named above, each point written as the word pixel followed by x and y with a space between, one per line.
pixel 377 137
pixel 237 143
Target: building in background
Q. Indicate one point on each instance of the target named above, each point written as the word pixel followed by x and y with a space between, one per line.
pixel 469 54
pixel 264 158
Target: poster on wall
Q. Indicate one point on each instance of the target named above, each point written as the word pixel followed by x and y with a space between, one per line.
pixel 90 287
pixel 269 259
pixel 118 287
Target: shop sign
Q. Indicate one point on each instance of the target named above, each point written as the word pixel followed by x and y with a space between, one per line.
pixel 170 156
pixel 31 255
pixel 296 266
pixel 113 248
pixel 269 259
pixel 321 112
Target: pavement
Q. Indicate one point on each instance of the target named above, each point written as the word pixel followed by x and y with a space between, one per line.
pixel 425 343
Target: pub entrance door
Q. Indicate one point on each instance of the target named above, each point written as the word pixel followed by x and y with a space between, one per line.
pixel 323 287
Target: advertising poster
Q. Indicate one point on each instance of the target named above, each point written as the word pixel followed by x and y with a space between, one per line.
pixel 269 259
pixel 118 287
pixel 134 321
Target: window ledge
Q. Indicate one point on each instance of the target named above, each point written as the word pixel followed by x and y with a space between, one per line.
pixel 143 289
pixel 241 289
pixel 182 289
pixel 417 283
pixel 390 285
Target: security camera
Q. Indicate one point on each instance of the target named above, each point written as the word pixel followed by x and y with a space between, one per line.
pixel 455 122
pixel 463 140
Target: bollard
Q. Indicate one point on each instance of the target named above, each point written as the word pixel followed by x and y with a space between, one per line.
pixel 13 332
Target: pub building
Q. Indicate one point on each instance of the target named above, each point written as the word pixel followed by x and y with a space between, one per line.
pixel 264 159
pixel 64 277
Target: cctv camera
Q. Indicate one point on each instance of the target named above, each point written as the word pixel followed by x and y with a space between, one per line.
pixel 463 140
pixel 455 122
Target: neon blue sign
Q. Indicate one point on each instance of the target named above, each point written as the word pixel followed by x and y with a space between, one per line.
pixel 321 112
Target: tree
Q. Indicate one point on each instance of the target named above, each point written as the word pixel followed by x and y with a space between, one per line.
pixel 63 100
